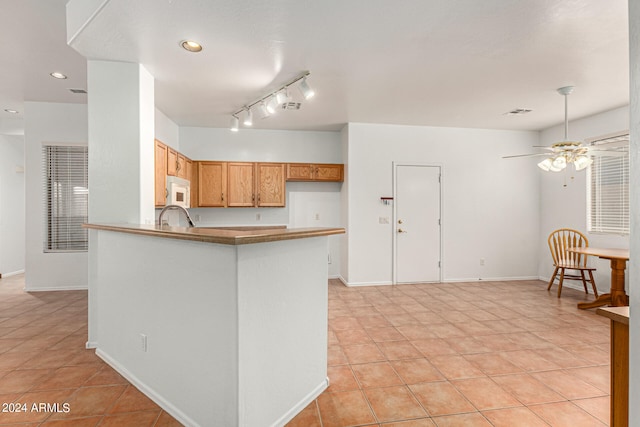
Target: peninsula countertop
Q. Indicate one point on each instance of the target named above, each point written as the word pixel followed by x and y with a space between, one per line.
pixel 226 235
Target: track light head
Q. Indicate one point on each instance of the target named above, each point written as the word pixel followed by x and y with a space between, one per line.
pixel 262 108
pixel 248 118
pixel 235 124
pixel 305 89
pixel 272 104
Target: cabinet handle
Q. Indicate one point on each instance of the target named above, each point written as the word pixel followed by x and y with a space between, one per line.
pixel 253 198
pixel 222 197
pixel 177 166
pixel 166 193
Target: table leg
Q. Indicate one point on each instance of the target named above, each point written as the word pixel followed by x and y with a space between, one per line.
pixel 618 295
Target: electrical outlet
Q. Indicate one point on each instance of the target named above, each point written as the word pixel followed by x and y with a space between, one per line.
pixel 383 220
pixel 143 342
pixel 196 218
pixel 258 217
pixel 482 261
pixel 317 216
pixel 329 258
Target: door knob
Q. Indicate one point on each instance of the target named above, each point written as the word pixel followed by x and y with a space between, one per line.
pixel 399 221
pixel 400 230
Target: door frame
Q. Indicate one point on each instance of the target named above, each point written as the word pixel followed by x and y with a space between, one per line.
pixel 395 215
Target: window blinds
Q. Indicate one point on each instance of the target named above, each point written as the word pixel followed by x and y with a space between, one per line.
pixel 66 197
pixel 608 190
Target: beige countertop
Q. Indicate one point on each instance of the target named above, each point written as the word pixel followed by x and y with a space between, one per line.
pixel 226 235
pixel 617 314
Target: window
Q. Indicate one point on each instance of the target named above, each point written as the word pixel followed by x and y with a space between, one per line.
pixel 608 187
pixel 66 197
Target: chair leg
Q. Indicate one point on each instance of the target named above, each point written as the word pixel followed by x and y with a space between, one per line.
pixel 584 282
pixel 560 282
pixel 593 284
pixel 553 277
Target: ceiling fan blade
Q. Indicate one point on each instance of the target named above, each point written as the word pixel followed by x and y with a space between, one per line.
pixel 606 145
pixel 607 153
pixel 525 155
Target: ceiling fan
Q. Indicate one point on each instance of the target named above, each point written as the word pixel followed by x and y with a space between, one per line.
pixel 560 154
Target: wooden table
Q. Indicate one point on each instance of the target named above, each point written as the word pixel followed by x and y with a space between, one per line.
pixel 619 364
pixel 617 297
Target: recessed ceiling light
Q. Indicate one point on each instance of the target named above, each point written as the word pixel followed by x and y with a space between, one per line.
pixel 9 110
pixel 191 46
pixel 57 75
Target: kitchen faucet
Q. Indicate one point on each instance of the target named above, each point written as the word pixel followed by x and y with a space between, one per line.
pixel 180 208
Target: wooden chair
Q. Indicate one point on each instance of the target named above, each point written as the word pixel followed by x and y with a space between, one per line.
pixel 559 241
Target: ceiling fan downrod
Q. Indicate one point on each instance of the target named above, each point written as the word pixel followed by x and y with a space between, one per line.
pixel 566 91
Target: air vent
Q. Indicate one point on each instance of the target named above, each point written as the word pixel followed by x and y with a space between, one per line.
pixel 291 106
pixel 78 90
pixel 518 112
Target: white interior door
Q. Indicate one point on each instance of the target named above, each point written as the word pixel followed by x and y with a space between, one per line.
pixel 417 223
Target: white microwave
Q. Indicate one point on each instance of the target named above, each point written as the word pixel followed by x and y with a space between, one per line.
pixel 178 192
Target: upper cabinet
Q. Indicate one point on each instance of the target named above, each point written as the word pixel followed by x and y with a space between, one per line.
pixel 172 162
pixel 315 172
pixel 241 183
pixel 211 184
pixel 169 162
pixel 160 174
pixel 270 179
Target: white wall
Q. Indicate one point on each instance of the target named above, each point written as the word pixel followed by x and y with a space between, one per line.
pixel 49 122
pixel 306 201
pixel 566 206
pixel 166 130
pixel 490 205
pixel 11 204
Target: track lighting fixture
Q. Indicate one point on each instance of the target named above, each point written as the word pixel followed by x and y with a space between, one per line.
pixel 269 104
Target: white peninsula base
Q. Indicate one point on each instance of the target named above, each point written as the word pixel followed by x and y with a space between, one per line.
pixel 216 334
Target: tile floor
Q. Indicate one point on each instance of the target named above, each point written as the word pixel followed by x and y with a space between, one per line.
pixel 462 354
pixel 454 354
pixel 43 361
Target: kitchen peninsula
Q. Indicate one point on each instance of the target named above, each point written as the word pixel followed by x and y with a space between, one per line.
pixel 219 326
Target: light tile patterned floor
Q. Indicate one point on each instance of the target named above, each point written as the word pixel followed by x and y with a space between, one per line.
pixel 462 354
pixel 43 361
pixel 455 354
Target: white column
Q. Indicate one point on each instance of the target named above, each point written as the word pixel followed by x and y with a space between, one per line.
pixel 121 155
pixel 121 132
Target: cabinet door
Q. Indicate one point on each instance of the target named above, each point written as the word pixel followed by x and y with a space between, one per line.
pixel 160 159
pixel 181 166
pixel 270 184
pixel 212 184
pixel 299 172
pixel 241 181
pixel 172 162
pixel 328 172
pixel 188 170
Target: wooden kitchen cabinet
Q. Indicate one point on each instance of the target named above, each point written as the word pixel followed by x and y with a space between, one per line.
pixel 327 172
pixel 241 184
pixel 270 184
pixel 211 185
pixel 160 159
pixel 181 166
pixel 172 162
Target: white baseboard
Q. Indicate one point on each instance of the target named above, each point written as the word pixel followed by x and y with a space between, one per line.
pixel 149 392
pixel 12 273
pixel 295 410
pixel 56 288
pixel 359 284
pixel 490 279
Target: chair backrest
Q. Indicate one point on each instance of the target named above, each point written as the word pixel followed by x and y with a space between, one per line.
pixel 564 238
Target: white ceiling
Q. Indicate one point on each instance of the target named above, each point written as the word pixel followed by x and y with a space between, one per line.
pixel 459 63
